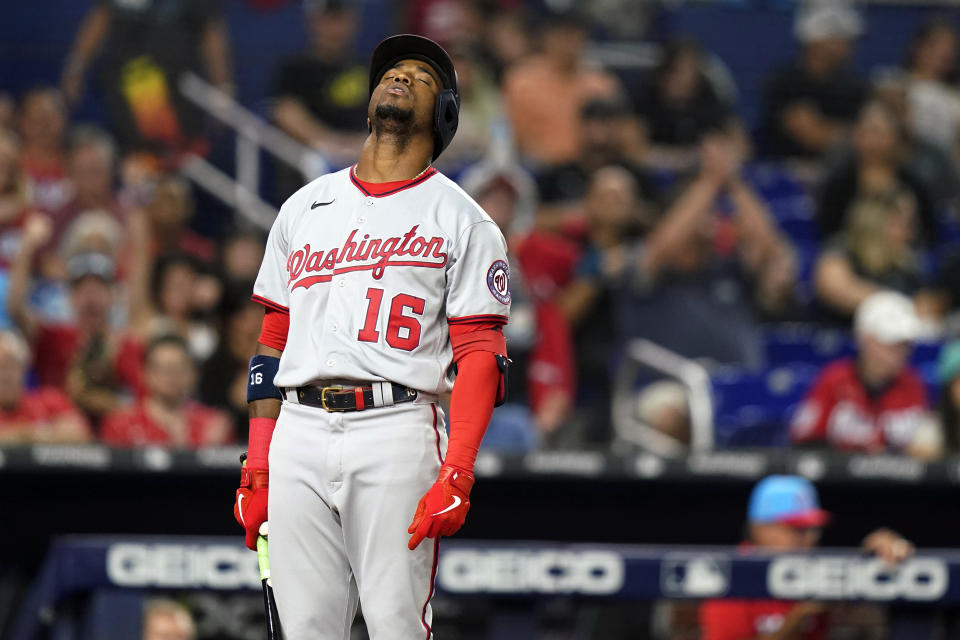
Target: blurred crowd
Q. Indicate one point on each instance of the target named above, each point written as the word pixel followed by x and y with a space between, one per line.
pixel 635 200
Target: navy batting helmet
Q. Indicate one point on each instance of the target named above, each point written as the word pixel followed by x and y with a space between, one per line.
pixel 446 112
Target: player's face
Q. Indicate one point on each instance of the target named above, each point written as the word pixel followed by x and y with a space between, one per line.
pixel 783 537
pixel 410 86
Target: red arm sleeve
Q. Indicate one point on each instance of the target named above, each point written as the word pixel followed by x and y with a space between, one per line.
pixel 273 332
pixel 471 405
pixel 477 336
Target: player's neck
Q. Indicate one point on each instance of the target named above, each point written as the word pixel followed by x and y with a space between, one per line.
pixel 381 161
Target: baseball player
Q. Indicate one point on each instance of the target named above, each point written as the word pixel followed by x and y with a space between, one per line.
pixel 379 281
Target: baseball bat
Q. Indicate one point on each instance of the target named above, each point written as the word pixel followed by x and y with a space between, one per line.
pixel 269 603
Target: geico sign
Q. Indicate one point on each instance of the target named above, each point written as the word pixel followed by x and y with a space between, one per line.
pixel 798 577
pixel 175 565
pixel 516 571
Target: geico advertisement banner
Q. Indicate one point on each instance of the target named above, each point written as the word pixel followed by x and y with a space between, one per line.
pixel 466 568
pixel 182 566
pixel 920 579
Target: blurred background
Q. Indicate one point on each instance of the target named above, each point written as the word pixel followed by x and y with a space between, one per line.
pixel 734 238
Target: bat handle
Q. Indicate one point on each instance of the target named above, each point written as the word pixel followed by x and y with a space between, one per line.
pixel 269 604
pixel 263 558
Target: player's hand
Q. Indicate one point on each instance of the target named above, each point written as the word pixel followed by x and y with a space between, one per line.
pixel 889 546
pixel 443 509
pixel 250 507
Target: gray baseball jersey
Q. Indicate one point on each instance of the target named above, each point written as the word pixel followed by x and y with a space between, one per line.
pixel 371 282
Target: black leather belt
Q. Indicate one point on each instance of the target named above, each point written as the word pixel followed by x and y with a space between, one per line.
pixel 340 398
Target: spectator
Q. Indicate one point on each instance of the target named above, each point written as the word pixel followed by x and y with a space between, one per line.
pixel 811 104
pixel 38 415
pixel 170 210
pixel 14 198
pixel 948 375
pixel 167 620
pixel 146 48
pixel 447 21
pixel 320 96
pixel 876 251
pixel 679 104
pixel 611 136
pixel 541 385
pixel 93 232
pixel 614 210
pixel 91 163
pixel 481 125
pixel 166 414
pixel 506 40
pixel 877 165
pixel 701 279
pixel 95 364
pixel 169 294
pixel 931 66
pixel 172 299
pixel 42 122
pixel 241 256
pixel 930 164
pixel 223 378
pixel 545 92
pixel 875 402
pixel 784 516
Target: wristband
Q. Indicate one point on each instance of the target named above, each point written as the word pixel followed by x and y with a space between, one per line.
pixel 260 385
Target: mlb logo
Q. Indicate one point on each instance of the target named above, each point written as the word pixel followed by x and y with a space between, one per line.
pixel 694 575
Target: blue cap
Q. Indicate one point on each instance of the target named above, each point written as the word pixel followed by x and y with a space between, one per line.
pixel 788 500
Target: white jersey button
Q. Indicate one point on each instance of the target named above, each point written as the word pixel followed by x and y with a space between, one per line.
pixel 334 327
pixel 361 219
pixel 330 363
pixel 343 283
pixel 369 200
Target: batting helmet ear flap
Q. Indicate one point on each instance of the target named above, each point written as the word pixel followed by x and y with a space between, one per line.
pixel 446 119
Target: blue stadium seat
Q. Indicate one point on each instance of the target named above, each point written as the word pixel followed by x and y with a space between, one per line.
pixel 752 408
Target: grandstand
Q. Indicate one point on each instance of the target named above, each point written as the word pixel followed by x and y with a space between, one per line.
pixel 734 237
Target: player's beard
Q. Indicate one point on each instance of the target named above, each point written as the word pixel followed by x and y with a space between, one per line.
pixel 394 125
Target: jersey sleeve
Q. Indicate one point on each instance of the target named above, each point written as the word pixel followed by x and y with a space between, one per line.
pixel 478 278
pixel 270 288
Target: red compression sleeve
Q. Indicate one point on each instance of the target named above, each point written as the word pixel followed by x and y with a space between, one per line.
pixel 477 336
pixel 273 332
pixel 261 431
pixel 471 405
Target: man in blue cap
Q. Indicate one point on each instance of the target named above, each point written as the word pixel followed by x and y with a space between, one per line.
pixel 784 515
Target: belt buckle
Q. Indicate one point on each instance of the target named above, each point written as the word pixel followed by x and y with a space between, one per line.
pixel 323 399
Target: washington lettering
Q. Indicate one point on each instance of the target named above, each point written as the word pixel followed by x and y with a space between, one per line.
pixel 375 254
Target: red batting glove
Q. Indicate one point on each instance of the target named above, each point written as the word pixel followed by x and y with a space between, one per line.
pixel 443 508
pixel 250 509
